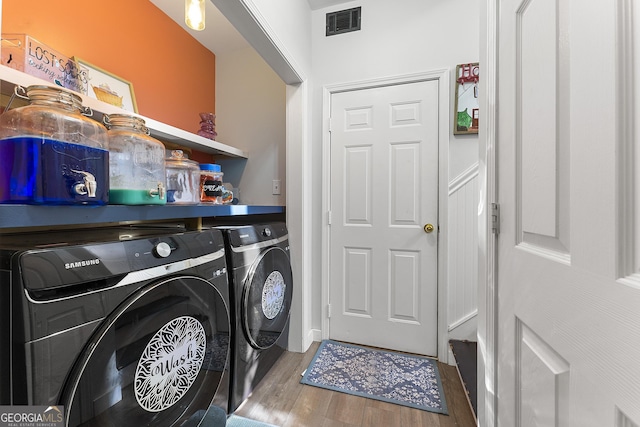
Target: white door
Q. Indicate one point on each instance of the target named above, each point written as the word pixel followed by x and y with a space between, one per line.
pixel 568 284
pixel 384 190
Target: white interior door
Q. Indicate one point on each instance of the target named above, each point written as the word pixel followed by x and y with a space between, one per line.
pixel 384 190
pixel 568 285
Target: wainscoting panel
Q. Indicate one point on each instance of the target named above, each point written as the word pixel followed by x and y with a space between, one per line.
pixel 463 254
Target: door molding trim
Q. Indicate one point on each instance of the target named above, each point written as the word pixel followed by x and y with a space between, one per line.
pixel 487 240
pixel 442 77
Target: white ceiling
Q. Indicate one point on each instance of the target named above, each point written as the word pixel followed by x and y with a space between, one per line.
pixel 219 36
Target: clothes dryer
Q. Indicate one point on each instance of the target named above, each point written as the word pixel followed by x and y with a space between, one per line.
pixel 261 293
pixel 123 326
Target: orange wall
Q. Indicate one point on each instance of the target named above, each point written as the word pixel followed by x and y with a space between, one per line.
pixel 173 75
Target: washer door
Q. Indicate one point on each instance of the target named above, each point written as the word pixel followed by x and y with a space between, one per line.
pixel 156 360
pixel 266 298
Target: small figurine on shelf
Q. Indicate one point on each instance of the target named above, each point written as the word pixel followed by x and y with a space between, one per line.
pixel 207 125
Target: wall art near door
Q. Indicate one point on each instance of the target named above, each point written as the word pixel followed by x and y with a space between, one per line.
pixel 105 86
pixel 467 108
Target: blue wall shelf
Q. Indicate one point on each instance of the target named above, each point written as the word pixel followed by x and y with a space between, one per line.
pixel 19 216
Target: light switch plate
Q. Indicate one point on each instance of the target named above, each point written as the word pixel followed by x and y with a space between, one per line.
pixel 276 187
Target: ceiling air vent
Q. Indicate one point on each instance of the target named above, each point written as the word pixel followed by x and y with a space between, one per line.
pixel 343 21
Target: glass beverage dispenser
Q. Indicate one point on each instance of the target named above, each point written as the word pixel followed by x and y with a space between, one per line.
pixel 50 152
pixel 136 163
pixel 183 179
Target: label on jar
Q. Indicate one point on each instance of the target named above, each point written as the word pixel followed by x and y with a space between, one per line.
pixel 145 157
pixel 212 188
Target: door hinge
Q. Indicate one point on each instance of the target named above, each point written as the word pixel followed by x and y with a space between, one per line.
pixel 495 218
pixel 329 217
pixel 329 125
pixel 328 310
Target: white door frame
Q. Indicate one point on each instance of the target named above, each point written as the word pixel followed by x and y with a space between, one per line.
pixel 487 246
pixel 442 76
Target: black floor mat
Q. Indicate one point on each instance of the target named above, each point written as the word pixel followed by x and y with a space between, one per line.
pixel 466 354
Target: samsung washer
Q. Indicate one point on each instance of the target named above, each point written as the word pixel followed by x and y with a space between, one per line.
pixel 123 327
pixel 261 293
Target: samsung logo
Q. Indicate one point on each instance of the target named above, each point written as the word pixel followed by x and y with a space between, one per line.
pixel 84 263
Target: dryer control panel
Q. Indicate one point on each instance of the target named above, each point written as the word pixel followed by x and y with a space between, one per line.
pixel 244 236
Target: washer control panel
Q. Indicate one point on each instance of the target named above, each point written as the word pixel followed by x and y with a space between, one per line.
pixel 162 250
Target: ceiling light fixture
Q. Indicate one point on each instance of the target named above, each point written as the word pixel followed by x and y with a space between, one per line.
pixel 194 14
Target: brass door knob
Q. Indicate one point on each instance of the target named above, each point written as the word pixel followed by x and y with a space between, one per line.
pixel 428 228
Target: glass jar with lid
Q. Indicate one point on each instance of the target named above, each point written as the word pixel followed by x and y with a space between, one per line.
pixel 51 152
pixel 183 179
pixel 211 183
pixel 136 162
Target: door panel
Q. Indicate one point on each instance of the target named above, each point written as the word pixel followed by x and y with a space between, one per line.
pixel 404 294
pixel 358 273
pixel 541 108
pixel 542 380
pixel 405 180
pixel 568 323
pixel 358 191
pixel 384 181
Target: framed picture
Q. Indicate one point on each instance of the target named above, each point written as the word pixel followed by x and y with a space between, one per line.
pixel 105 86
pixel 467 109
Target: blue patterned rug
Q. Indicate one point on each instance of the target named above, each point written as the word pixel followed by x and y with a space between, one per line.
pixel 402 379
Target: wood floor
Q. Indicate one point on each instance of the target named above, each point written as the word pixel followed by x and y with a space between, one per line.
pixel 281 400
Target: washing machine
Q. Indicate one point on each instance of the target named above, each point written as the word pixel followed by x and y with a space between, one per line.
pixel 261 292
pixel 121 326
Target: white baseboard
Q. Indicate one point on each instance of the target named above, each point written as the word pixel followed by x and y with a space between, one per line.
pixel 451 360
pixel 305 342
pixel 311 336
pixel 465 329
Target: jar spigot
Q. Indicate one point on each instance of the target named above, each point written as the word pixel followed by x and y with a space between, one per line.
pixel 160 192
pixel 88 186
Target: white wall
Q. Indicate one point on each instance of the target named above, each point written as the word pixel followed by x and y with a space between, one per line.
pixel 279 31
pixel 404 37
pixel 250 115
pixel 287 22
pixel 397 38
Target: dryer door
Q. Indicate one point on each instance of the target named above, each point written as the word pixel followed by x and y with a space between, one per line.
pixel 157 360
pixel 266 300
